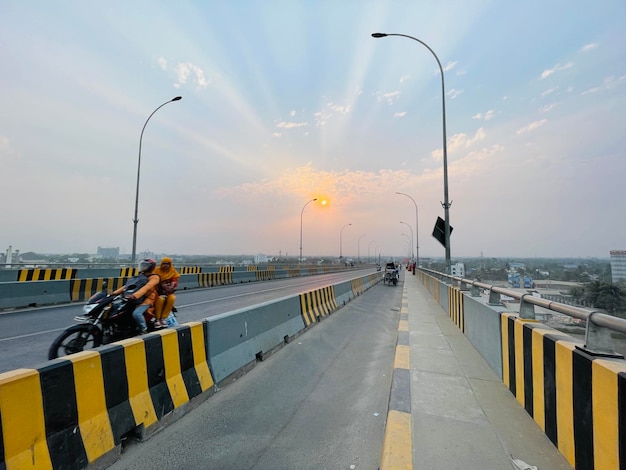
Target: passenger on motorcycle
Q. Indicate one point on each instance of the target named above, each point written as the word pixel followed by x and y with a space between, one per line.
pixel 142 288
pixel 166 298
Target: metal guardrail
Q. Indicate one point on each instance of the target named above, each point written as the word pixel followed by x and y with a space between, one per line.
pixel 598 338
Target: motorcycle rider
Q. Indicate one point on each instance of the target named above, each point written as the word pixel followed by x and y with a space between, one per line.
pixel 166 297
pixel 147 293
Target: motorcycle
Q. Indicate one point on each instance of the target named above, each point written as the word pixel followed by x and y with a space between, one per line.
pixel 106 319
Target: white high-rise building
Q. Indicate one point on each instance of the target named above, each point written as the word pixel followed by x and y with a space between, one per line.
pixel 458 269
pixel 618 265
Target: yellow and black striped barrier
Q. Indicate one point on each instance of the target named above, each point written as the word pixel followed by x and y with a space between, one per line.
pixel 265 275
pixel 577 399
pixel 221 278
pixel 82 289
pixel 72 411
pixel 128 272
pixel 317 303
pixel 455 307
pixel 431 283
pixel 357 286
pixel 47 274
pixel 189 270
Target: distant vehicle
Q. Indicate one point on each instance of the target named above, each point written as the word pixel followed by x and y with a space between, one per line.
pixel 528 282
pixel 514 279
pixel 391 274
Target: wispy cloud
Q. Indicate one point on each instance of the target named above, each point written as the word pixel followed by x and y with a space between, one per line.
pixel 291 125
pixel 474 161
pixel 556 68
pixel 321 118
pixel 531 127
pixel 185 72
pixel 452 94
pixel 608 84
pixel 589 47
pixel 450 66
pixel 389 97
pixel 547 108
pixel 549 91
pixel 485 116
pixel 401 114
pixel 345 186
pixel 338 108
pixel 459 142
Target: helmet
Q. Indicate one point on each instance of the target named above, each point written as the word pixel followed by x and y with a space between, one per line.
pixel 146 265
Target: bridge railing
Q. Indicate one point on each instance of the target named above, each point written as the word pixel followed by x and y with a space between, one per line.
pixel 598 337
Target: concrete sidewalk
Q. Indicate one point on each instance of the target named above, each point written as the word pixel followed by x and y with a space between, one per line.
pixel 448 409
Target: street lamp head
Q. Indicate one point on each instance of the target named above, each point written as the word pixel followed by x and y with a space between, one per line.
pixel 379 35
pixel 177 98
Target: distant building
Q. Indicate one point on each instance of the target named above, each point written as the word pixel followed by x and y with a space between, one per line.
pixel 458 269
pixel 516 265
pixel 260 258
pixel 109 252
pixel 618 265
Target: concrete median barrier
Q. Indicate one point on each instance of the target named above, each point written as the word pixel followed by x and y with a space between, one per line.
pixel 237 339
pixel 74 411
pixel 25 294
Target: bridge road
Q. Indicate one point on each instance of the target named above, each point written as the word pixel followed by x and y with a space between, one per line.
pixel 322 401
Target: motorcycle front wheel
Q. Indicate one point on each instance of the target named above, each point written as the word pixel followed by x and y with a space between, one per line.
pixel 75 339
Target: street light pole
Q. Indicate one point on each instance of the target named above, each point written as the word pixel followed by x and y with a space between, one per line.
pixel 417 243
pixel 314 199
pixel 369 259
pixel 359 248
pixel 135 220
pixel 411 237
pixel 341 241
pixel 446 205
pixel 410 241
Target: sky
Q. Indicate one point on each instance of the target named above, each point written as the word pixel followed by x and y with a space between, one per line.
pixel 285 101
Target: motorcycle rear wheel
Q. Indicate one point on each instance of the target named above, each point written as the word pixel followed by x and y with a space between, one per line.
pixel 75 339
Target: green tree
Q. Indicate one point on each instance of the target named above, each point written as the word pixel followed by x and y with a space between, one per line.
pixel 606 296
pixel 577 293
